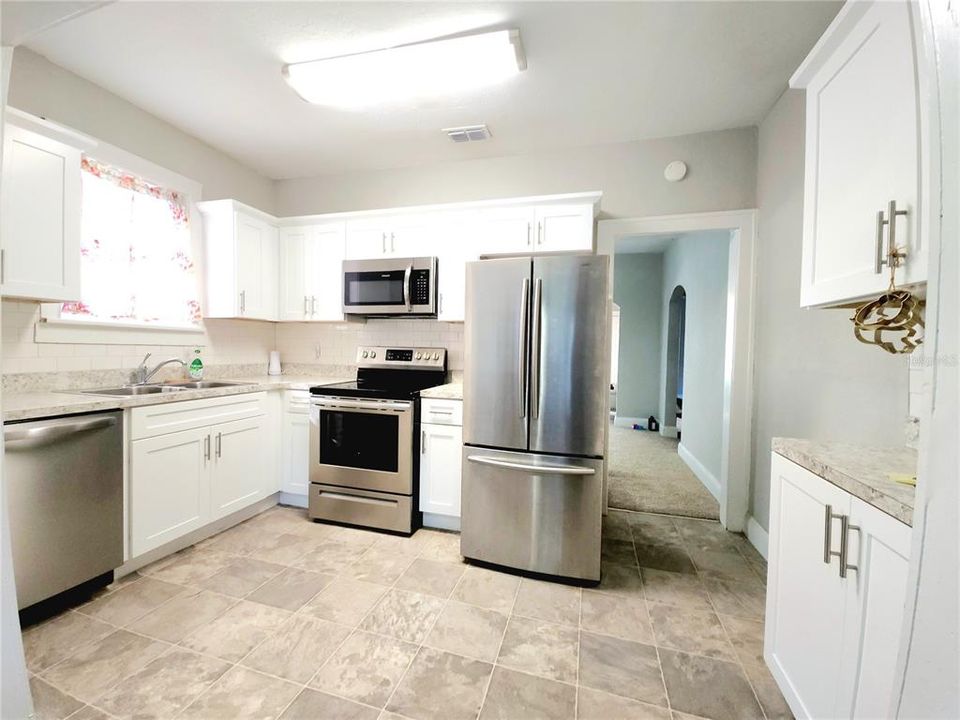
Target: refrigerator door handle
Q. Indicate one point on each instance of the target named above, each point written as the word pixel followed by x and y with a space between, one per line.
pixel 539 469
pixel 535 350
pixel 522 360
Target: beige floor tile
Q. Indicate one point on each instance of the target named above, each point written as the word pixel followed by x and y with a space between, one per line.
pixel 298 648
pixel 164 687
pixel 363 539
pixel 242 693
pixel 700 535
pixel 620 552
pixel 621 667
pixel 89 673
pixel 487 589
pixel 291 589
pixel 616 526
pixel 241 577
pixel 771 699
pixel 540 648
pixel 411 546
pixel 330 557
pixel 49 703
pixel 431 577
pixel 654 529
pixel 693 631
pixel 237 631
pixel 548 601
pixel 442 546
pixel 365 668
pixel 724 565
pixel 242 539
pixel 285 549
pixel 670 588
pixel 441 686
pixel 287 520
pixel 707 687
pixel 738 598
pixel 314 705
pixel 132 601
pixel 611 615
pixel 664 556
pixel 596 705
pixel 620 580
pixel 345 601
pixel 468 630
pixel 47 644
pixel 179 617
pixel 381 566
pixel 88 712
pixel 403 615
pixel 513 695
pixel 746 636
pixel 188 567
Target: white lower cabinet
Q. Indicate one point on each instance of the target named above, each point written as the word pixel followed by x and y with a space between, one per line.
pixel 182 480
pixel 441 448
pixel 295 470
pixel 831 641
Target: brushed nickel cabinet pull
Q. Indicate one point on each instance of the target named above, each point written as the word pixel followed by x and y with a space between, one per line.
pixel 306 301
pixel 893 254
pixel 845 528
pixel 828 517
pixel 206 448
pixel 423 442
pixel 219 445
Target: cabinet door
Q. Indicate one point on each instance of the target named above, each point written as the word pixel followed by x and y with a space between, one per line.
pixel 876 594
pixel 324 258
pixel 296 453
pixel 505 230
pixel 169 487
pixel 367 238
pixel 40 217
pixel 441 449
pixel 862 151
pixel 240 473
pixel 803 638
pixel 564 227
pixel 252 254
pixel 294 271
pixel 420 235
pixel 270 274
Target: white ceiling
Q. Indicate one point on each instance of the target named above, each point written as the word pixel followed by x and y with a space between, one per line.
pixel 597 73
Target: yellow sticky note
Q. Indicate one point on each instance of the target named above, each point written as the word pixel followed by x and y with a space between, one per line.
pixel 904 479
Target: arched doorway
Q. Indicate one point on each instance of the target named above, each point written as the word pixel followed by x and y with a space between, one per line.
pixel 673 380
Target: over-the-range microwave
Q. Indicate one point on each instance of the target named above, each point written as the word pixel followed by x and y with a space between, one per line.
pixel 390 287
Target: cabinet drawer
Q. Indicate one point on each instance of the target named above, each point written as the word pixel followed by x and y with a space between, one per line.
pixel 296 401
pixel 171 417
pixel 441 412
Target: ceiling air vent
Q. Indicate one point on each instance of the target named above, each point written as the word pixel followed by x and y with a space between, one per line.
pixel 467 133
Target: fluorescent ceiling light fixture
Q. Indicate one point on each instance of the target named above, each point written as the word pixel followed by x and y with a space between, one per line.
pixel 421 70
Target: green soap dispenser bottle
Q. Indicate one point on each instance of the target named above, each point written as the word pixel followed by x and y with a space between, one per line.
pixel 196 366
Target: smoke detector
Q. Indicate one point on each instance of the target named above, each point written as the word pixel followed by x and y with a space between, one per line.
pixel 467 133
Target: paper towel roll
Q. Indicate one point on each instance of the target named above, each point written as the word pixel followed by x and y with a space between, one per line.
pixel 274 367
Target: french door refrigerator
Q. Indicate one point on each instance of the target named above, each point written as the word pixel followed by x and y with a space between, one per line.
pixel 535 410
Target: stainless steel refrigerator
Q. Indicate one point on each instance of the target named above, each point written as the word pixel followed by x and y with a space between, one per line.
pixel 535 411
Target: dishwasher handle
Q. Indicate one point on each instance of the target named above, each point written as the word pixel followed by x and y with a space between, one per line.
pixel 16 439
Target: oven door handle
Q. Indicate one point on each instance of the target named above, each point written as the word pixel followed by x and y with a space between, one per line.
pixel 364 407
pixel 406 287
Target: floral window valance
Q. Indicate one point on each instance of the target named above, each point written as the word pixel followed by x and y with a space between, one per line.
pixel 136 263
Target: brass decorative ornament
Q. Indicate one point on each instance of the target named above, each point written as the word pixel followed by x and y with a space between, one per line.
pixel 894 321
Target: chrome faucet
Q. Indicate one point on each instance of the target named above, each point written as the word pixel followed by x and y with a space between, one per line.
pixel 141 375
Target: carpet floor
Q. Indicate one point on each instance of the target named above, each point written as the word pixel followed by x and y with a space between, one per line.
pixel 647 475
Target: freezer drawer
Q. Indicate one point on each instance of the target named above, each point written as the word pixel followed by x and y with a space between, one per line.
pixel 532 512
pixel 361 507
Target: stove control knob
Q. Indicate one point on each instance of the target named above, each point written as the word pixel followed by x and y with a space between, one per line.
pixel 366 354
pixel 419 356
pixel 436 356
pixel 373 353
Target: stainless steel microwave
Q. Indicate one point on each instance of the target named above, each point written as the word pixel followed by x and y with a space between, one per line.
pixel 390 287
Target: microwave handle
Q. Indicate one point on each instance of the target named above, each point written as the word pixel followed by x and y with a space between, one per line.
pixel 406 287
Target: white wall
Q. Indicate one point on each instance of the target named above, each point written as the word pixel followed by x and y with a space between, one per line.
pixel 638 290
pixel 812 378
pixel 38 86
pixel 698 262
pixel 722 177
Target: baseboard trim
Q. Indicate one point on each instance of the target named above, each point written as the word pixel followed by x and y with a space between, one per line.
pixel 669 431
pixel 757 536
pixel 441 522
pixel 293 499
pixel 628 422
pixel 708 479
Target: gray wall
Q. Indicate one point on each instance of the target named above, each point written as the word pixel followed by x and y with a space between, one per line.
pixel 698 262
pixel 722 177
pixel 638 290
pixel 812 378
pixel 39 87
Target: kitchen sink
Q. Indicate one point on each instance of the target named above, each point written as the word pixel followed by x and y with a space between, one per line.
pixel 134 390
pixel 202 384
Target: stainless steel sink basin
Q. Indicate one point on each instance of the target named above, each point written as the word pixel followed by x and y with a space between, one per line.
pixel 201 384
pixel 133 390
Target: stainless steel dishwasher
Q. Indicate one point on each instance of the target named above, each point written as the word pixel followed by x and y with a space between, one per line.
pixel 64 479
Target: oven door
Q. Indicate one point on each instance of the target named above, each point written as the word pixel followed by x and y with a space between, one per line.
pixel 361 443
pixel 395 286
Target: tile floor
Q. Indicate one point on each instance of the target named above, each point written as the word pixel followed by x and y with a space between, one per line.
pixel 283 618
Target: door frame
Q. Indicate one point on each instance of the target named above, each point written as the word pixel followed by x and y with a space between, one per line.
pixel 735 459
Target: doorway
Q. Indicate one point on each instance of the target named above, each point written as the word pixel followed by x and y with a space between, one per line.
pixel 673 380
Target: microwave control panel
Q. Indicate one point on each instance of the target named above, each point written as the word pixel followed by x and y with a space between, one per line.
pixel 420 287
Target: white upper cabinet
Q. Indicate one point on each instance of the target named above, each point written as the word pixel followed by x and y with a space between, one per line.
pixel 40 217
pixel 241 251
pixel 368 238
pixel 564 227
pixel 311 259
pixel 413 235
pixel 504 230
pixel 536 228
pixel 863 152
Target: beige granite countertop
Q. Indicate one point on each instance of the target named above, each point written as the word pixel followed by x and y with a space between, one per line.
pixel 31 405
pixel 450 391
pixel 862 471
